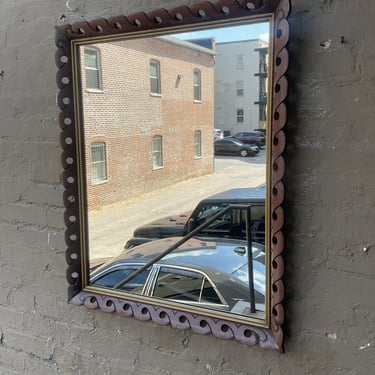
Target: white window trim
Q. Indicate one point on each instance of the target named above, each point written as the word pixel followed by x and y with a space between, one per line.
pixel 98 70
pixel 199 85
pixel 157 77
pixel 104 180
pixel 156 167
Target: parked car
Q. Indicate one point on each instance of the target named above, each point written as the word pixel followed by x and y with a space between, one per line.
pixel 263 131
pixel 231 146
pixel 218 134
pixel 231 225
pixel 258 138
pixel 210 273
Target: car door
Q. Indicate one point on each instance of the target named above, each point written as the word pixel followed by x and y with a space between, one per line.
pixel 221 147
pixel 247 138
pixel 234 147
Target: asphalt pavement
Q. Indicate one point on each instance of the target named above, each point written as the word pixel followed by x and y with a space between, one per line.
pixel 110 227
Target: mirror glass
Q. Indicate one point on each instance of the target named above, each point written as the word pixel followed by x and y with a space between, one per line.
pixel 174 149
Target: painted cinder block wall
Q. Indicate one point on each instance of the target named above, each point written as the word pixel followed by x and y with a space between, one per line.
pixel 330 246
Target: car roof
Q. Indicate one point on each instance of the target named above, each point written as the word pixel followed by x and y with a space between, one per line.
pixel 228 139
pixel 226 255
pixel 240 195
pixel 252 133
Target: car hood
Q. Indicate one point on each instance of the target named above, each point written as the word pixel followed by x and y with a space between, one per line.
pixel 168 226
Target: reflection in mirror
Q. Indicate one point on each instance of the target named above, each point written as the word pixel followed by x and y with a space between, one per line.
pixel 172 138
pixel 161 112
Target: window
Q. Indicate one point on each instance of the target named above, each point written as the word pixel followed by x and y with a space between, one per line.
pixel 114 278
pixel 183 285
pixel 240 115
pixel 157 152
pixel 221 225
pixel 98 163
pixel 197 143
pixel 92 69
pixel 239 62
pixel 197 85
pixel 240 88
pixel 155 77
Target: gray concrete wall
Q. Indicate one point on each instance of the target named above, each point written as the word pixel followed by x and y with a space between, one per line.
pixel 330 210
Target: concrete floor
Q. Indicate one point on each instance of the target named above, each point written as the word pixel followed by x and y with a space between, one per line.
pixel 111 227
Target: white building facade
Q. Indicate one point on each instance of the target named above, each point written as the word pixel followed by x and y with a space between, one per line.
pixel 240 97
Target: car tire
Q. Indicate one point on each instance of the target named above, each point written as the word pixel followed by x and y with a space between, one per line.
pixel 244 153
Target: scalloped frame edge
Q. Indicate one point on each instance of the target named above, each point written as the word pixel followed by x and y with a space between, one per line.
pixel 248 334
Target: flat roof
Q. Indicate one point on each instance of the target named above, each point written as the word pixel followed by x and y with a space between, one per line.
pixel 241 195
pixel 186 44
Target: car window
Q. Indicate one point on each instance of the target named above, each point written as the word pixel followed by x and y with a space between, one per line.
pixel 209 294
pixel 114 277
pixel 207 211
pixel 257 212
pixel 183 285
pixel 260 227
pixel 232 223
pixel 257 223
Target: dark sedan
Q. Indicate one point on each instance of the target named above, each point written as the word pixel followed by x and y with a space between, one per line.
pixel 256 138
pixel 211 273
pixel 231 146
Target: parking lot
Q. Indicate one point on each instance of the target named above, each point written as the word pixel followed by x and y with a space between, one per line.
pixel 111 227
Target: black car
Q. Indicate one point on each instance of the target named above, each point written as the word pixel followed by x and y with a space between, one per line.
pixel 231 146
pixel 255 138
pixel 231 225
pixel 211 273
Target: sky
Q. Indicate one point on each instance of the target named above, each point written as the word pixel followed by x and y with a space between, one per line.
pixel 230 33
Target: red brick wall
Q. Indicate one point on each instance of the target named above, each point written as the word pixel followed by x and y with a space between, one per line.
pixel 125 116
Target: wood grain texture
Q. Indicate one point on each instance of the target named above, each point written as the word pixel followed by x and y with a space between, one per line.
pixel 270 338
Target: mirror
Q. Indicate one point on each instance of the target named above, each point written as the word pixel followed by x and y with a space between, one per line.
pixel 185 100
pixel 150 106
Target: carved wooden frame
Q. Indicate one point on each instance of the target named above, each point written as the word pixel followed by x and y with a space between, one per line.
pixel 270 337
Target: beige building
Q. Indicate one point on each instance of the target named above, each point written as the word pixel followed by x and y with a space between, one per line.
pixel 148 115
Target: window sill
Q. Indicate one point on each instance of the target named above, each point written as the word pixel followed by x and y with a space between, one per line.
pixel 198 101
pixel 157 168
pixel 155 95
pixel 95 91
pixel 99 182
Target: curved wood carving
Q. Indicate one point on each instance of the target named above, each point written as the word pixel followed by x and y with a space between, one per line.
pixel 248 334
pixel 279 118
pixel 224 329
